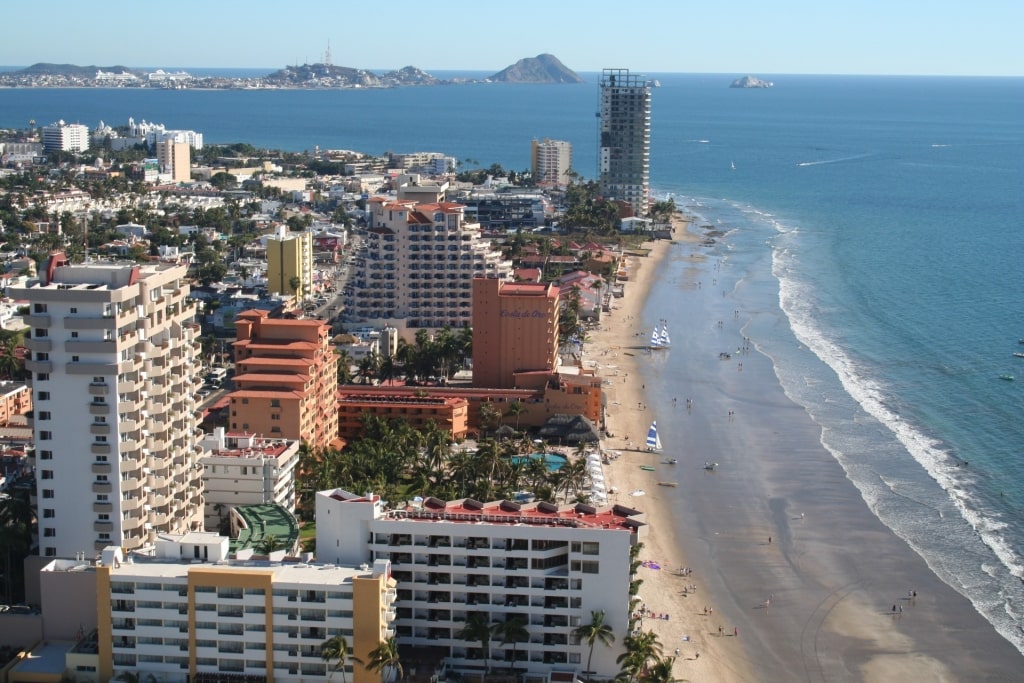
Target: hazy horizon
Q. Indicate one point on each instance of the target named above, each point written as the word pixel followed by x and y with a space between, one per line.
pixel 871 37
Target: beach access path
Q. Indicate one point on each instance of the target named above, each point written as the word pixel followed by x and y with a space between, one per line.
pixel 800 579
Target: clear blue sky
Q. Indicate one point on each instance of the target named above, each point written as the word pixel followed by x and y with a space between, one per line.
pixel 980 37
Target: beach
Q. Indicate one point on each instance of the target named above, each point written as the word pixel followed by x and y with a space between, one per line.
pixel 791 575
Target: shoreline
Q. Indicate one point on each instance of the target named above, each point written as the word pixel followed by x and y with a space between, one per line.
pixel 829 597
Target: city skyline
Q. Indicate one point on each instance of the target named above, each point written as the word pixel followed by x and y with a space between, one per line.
pixel 788 37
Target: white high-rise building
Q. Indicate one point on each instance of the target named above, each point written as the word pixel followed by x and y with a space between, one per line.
pixel 114 372
pixel 417 264
pixel 624 148
pixel 65 137
pixel 549 566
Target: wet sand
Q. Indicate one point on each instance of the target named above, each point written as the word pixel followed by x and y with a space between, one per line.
pixel 813 603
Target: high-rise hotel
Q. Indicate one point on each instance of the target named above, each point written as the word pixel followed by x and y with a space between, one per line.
pixel 624 148
pixel 113 373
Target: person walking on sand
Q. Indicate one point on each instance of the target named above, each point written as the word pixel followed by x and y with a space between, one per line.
pixel 735 632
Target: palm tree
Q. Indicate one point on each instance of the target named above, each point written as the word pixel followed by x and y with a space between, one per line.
pixel 661 672
pixel 516 408
pixel 336 650
pixel 268 544
pixel 597 631
pixel 478 628
pixel 640 649
pixel 512 631
pixel 384 660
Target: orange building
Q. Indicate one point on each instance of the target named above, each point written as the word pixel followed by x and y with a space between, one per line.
pixel 15 399
pixel 450 413
pixel 285 379
pixel 515 333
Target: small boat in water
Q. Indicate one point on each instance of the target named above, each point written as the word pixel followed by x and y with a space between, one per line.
pixel 669 461
pixel 1008 378
pixel 1018 354
pixel 668 483
pixel 710 466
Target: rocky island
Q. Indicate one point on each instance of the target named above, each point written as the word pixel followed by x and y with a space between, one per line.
pixel 750 82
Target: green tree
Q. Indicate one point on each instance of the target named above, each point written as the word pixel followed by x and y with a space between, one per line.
pixel 512 632
pixel 660 672
pixel 478 629
pixel 384 660
pixel 336 650
pixel 597 631
pixel 224 181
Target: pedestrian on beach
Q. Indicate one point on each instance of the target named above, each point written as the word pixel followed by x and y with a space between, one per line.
pixel 735 632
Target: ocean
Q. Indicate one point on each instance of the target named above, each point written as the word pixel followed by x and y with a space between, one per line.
pixel 878 222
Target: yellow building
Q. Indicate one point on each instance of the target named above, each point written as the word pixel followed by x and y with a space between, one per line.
pixel 290 263
pixel 188 613
pixel 175 158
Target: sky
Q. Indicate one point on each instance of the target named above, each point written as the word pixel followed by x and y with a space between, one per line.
pixel 762 37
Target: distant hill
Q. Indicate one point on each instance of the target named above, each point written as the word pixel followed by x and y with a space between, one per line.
pixel 47 69
pixel 326 74
pixel 540 69
pixel 410 75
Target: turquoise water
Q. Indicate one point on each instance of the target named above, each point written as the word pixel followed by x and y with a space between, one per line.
pixel 554 461
pixel 877 222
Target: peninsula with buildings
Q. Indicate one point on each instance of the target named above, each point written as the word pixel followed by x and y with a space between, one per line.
pixel 544 68
pixel 269 416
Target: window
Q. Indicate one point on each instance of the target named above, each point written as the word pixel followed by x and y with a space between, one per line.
pixel 41 355
pixel 49 552
pixel 42 376
pixel 44 396
pixel 74 335
pixel 49 513
pixel 44 415
pixel 40 332
pixel 47 474
pixel 101 439
pixel 103 517
pixel 99 399
pixel 74 359
pixel 74 310
pixel 102 498
pixel 48 493
pixel 45 435
pixel 49 533
pixel 46 455
pixel 39 308
pixel 104 537
pixel 275 403
pixel 97 380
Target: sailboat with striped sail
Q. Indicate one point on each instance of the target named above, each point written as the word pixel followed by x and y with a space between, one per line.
pixel 653 440
pixel 659 336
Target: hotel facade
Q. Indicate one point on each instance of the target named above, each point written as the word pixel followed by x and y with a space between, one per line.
pixel 515 333
pixel 417 264
pixel 550 566
pixel 188 613
pixel 114 371
pixel 286 376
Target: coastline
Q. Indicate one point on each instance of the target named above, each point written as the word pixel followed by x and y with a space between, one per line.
pixel 830 596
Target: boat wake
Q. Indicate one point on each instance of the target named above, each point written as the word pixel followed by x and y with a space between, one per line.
pixel 840 160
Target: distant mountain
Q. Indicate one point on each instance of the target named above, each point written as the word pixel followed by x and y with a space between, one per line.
pixel 47 69
pixel 540 69
pixel 325 75
pixel 410 75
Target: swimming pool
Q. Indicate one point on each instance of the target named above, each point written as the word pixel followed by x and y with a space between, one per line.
pixel 554 461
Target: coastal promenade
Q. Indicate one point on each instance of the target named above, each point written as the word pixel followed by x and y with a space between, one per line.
pixel 792 578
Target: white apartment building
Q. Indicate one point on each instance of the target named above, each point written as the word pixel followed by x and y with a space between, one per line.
pixel 246 469
pixel 153 133
pixel 65 137
pixel 552 160
pixel 187 613
pixel 551 566
pixel 417 264
pixel 113 372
